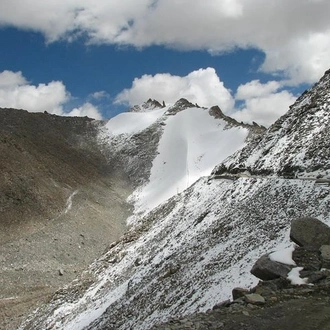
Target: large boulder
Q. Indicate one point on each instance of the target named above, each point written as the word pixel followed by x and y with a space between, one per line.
pixel 310 232
pixel 266 269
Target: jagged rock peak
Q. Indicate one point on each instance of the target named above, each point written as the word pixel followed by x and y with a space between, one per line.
pixel 147 106
pixel 180 105
pixel 217 113
pixel 296 145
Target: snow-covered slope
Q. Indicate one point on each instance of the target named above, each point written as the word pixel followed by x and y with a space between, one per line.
pixel 188 253
pixel 296 145
pixel 190 142
pixel 191 145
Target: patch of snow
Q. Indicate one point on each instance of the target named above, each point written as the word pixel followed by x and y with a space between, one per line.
pixel 294 276
pixel 133 122
pixel 283 256
pixel 69 202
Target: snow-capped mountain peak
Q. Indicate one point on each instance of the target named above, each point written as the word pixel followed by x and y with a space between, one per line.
pixel 190 141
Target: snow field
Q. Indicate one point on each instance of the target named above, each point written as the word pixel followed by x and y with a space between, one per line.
pixel 193 142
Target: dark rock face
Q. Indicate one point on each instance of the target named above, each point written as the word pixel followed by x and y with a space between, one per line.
pixel 149 105
pixel 239 293
pixel 310 232
pixel 266 269
pixel 307 258
pixel 325 256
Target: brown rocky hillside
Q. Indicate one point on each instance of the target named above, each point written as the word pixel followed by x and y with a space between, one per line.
pixel 61 204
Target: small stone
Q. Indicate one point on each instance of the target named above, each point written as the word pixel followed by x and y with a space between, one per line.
pixel 246 313
pixel 255 299
pixel 225 303
pixel 239 292
pixel 61 272
pixel 273 299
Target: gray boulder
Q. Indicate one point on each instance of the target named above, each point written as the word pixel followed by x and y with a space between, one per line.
pixel 310 232
pixel 266 269
pixel 255 299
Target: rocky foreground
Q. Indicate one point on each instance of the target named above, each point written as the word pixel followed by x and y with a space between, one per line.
pixel 277 302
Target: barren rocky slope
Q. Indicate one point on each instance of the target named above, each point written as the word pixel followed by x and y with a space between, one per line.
pixel 61 204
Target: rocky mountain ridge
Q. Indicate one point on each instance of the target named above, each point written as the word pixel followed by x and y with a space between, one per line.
pixel 185 255
pixel 296 145
pixel 59 179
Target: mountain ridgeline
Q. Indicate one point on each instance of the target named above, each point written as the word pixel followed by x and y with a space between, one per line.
pixel 209 196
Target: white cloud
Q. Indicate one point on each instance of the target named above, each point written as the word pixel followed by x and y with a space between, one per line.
pixel 202 86
pixel 9 79
pixel 87 109
pixel 16 92
pixel 255 89
pixel 294 35
pixel 263 103
pixel 99 95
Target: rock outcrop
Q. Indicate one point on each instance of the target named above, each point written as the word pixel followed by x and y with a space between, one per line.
pixel 310 232
pixel 266 269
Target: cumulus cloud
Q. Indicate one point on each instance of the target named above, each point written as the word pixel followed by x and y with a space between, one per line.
pixel 99 95
pixel 202 86
pixel 9 79
pixel 294 35
pixel 262 103
pixel 17 92
pixel 87 109
pixel 255 89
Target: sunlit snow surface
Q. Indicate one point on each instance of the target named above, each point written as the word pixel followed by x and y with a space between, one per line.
pixel 133 122
pixel 284 256
pixel 192 143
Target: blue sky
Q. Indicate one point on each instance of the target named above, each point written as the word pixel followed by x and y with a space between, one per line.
pixel 98 58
